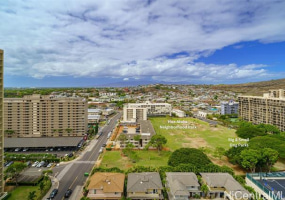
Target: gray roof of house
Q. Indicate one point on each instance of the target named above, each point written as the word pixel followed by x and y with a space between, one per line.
pixel 41 142
pixel 141 182
pixel 179 180
pixel 223 180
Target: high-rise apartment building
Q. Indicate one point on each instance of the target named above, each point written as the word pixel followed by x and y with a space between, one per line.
pixel 45 116
pixel 139 111
pixel 1 123
pixel 268 109
pixel 229 107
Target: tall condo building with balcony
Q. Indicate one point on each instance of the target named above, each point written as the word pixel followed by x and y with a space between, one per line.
pixel 1 124
pixel 45 116
pixel 267 109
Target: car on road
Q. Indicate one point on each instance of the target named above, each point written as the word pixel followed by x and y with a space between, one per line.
pixel 53 193
pixel 104 145
pixel 101 149
pixel 68 193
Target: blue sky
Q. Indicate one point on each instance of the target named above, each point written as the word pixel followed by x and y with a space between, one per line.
pixel 88 43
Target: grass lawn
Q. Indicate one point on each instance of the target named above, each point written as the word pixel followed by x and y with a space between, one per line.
pixel 202 136
pixel 146 158
pixel 22 192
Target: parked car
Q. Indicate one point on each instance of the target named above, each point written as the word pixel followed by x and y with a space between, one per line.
pixel 28 163
pixel 45 164
pixel 50 165
pixel 35 164
pixel 41 164
pixel 70 155
pixel 10 163
pixel 103 145
pixel 68 193
pixel 101 150
pixel 18 149
pixel 53 193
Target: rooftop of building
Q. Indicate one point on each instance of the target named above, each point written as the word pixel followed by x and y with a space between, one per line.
pixel 42 142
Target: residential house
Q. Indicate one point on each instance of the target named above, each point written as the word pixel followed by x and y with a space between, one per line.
pixel 182 185
pixel 144 186
pixel 223 185
pixel 106 186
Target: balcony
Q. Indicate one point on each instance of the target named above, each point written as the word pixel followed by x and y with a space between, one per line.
pixel 104 196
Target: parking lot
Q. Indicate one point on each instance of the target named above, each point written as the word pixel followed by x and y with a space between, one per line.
pixel 31 174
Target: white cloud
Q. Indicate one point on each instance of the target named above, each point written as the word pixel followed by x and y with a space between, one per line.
pixel 125 79
pixel 130 38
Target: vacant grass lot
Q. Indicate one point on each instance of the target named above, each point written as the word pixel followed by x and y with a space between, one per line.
pixel 202 136
pixel 146 158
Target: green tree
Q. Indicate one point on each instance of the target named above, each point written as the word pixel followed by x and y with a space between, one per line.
pixel 157 141
pixel 41 187
pixel 205 189
pixel 191 156
pixel 270 157
pixel 32 195
pixel 249 159
pixel 137 137
pixel 250 132
pixel 219 152
pixel 268 128
pixel 122 138
pixel 15 169
pixel 96 128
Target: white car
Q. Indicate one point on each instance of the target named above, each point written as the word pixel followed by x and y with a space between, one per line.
pixel 35 163
pixel 101 150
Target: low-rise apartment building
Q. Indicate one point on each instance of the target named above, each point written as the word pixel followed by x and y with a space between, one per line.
pixel 229 107
pixel 45 116
pixel 267 109
pixel 143 129
pixel 139 111
pixel 179 113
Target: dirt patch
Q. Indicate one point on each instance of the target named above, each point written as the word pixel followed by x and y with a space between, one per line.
pixel 224 161
pixel 280 166
pixel 186 145
pixel 197 142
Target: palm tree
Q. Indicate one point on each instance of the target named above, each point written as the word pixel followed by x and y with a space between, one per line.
pixel 32 195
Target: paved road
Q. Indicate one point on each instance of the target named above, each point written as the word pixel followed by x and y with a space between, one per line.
pixel 71 175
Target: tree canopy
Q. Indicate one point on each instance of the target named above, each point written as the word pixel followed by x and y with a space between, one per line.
pixel 157 141
pixel 188 156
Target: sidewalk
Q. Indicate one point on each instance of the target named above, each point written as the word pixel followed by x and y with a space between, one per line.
pixel 54 185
